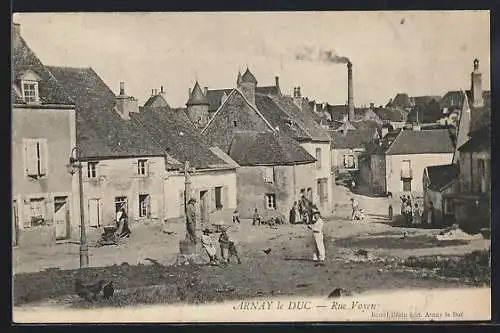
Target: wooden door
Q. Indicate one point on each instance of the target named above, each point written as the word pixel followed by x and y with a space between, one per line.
pixel 61 217
pixel 204 206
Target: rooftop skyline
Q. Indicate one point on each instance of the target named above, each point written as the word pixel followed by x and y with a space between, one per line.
pixel 419 53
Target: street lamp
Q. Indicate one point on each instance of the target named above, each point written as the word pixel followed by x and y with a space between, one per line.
pixel 76 163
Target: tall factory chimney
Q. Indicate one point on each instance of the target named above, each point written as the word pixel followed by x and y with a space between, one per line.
pixel 350 97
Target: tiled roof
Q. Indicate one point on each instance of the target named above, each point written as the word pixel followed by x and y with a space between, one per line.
pixel 177 136
pixel 304 118
pixel 248 77
pixel 480 140
pixel 389 114
pixel 24 59
pixel 267 148
pixel 420 101
pixel 440 176
pixel 352 139
pixel 156 101
pixel 366 124
pixel 401 100
pixel 197 96
pixel 421 142
pixel 278 118
pixel 268 90
pixel 101 132
pixel 455 99
pixel 215 97
pixel 242 131
pixel 337 112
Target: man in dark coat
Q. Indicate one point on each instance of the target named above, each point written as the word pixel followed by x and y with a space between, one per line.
pixel 191 221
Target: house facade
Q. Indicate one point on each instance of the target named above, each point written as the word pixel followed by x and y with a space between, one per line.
pixel 348 146
pixel 43 136
pixel 397 163
pixel 212 174
pixel 274 168
pixel 123 166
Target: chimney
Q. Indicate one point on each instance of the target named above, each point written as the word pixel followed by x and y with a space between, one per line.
pixel 350 92
pixel 205 91
pixel 152 92
pixel 476 86
pixel 277 81
pixel 125 104
pixel 162 91
pixel 297 97
pixel 189 95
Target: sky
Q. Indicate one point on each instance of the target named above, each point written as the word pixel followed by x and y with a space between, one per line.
pixel 420 53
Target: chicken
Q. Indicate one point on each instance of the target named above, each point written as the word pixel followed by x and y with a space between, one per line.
pixel 108 290
pixel 338 292
pixel 88 292
pixel 267 251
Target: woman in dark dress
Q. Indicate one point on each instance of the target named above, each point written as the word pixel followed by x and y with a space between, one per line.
pixel 123 228
pixel 293 213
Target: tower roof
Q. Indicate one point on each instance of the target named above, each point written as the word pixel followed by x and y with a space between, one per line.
pixel 248 77
pixel 197 96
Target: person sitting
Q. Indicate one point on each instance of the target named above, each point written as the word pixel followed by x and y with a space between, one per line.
pixel 256 217
pixel 207 243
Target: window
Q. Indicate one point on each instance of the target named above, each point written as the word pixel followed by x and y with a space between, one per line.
pixel 318 158
pixel 349 162
pixel 271 201
pixel 38 212
pixel 322 189
pixel 36 157
pixel 142 167
pixel 406 170
pixel 269 174
pixel 406 185
pixel 92 169
pixel 143 205
pixel 121 202
pixel 218 197
pixel 30 91
pixel 235 123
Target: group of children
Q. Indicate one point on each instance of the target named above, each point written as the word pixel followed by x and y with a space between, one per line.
pixel 412 212
pixel 227 247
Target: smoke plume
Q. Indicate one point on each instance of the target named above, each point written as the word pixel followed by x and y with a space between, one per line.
pixel 320 55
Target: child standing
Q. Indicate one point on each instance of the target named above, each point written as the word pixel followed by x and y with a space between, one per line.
pixel 227 247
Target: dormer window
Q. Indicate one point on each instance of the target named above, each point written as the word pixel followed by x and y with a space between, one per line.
pixel 29 87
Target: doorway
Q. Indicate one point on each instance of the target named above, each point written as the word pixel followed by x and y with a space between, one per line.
pixel 61 217
pixel 204 206
pixel 15 224
pixel 121 202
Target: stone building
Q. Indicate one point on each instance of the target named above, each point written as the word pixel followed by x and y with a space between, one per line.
pixel 274 168
pixel 43 135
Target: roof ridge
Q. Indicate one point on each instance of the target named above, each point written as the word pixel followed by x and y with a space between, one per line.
pixel 291 116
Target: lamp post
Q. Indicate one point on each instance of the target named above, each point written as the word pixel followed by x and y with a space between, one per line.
pixel 75 162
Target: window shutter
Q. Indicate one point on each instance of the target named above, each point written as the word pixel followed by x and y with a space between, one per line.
pixel 44 157
pixel 225 197
pixel 31 158
pixel 27 214
pixel 182 203
pixel 212 199
pixel 153 207
pixel 93 212
pixel 135 167
pixel 150 168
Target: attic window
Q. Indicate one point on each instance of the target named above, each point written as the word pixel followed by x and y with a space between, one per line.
pixel 29 87
pixel 30 91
